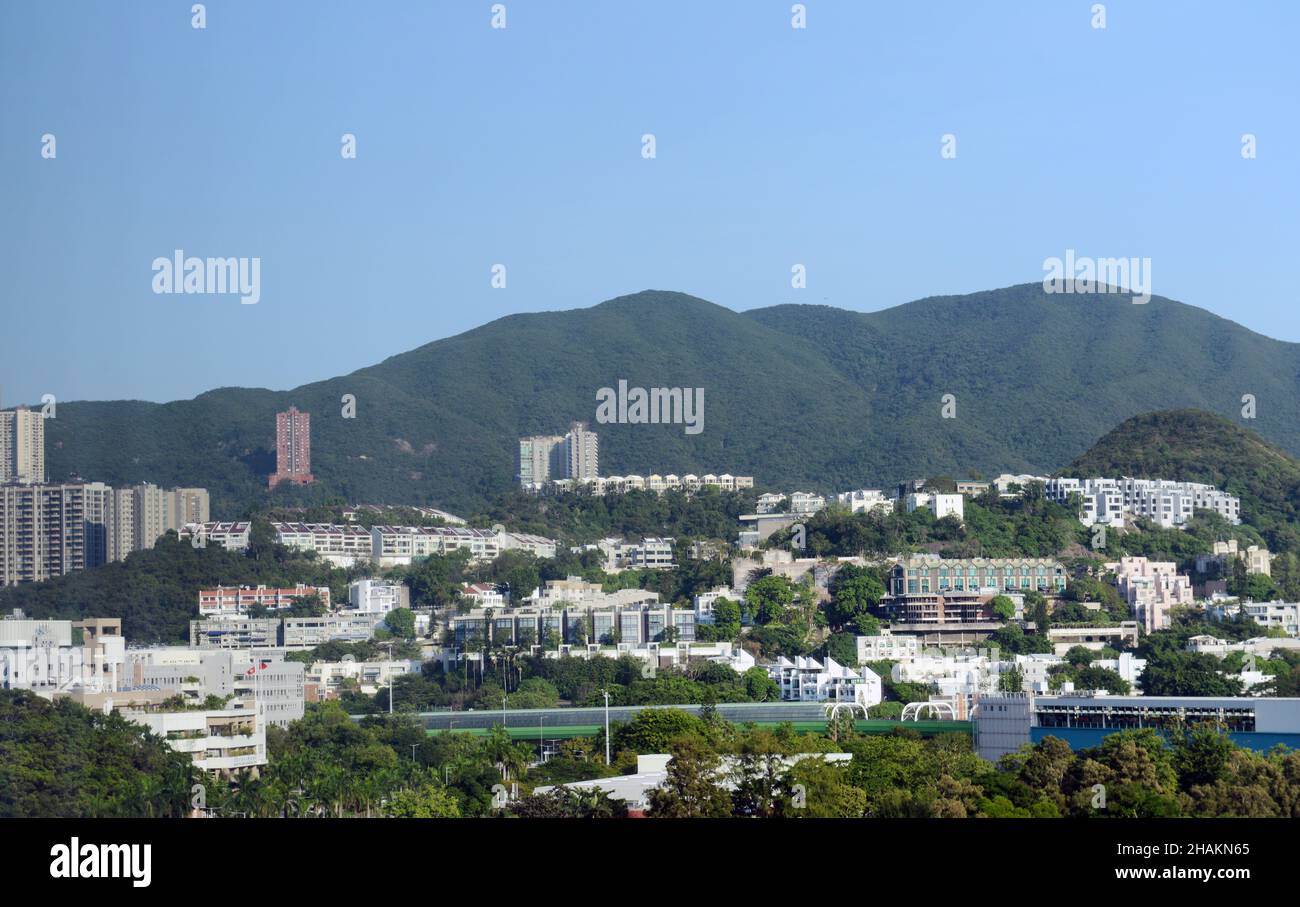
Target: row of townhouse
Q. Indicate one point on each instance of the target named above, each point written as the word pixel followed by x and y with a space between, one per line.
pixel 805 679
pixel 1277 615
pixel 388 546
pixel 651 552
pixel 1256 559
pixel 289 632
pixel 631 624
pixel 602 485
pixel 866 500
pixel 969 674
pixel 236 600
pixel 232 536
pixel 891 646
pixel 1114 501
pixel 660 655
pixel 800 502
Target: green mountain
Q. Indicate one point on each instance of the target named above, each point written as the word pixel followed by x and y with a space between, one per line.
pixel 1196 446
pixel 798 396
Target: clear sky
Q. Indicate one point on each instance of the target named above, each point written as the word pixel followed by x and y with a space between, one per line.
pixel 522 146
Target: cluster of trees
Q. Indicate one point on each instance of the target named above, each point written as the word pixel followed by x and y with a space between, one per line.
pixel 1194 771
pixel 60 760
pixel 63 760
pixel 526 682
pixel 583 518
pixel 1078 668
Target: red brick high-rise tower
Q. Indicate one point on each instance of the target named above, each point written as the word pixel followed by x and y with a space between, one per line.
pixel 292 448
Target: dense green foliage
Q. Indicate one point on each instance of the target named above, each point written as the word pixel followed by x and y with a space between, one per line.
pixel 60 760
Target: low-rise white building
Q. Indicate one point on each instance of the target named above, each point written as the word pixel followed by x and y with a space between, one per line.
pixel 326 679
pixel 804 679
pixel 1258 560
pixel 1166 503
pixel 865 500
pixel 378 596
pixel 220 740
pixel 705 601
pixel 941 505
pixel 888 647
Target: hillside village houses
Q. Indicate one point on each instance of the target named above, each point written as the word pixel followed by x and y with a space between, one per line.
pixel 705 601
pixel 621 554
pixel 941 505
pixel 1112 502
pixel 865 500
pixel 804 679
pixel 1257 560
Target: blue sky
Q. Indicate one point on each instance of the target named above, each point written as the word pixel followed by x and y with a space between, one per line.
pixel 522 146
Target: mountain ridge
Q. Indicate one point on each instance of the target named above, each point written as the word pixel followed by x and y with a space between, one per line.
pixel 795 395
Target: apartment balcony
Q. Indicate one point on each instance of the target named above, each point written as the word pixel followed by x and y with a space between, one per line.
pixel 228 763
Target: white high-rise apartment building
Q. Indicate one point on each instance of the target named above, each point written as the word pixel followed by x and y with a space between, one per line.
pixel 22 446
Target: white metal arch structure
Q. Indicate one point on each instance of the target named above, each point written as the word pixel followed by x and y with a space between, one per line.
pixel 913 711
pixel 832 709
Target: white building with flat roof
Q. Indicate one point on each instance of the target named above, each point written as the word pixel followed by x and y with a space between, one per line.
pixel 941 505
pixel 1166 503
pixel 705 601
pixel 378 596
pixel 220 740
pixel 865 501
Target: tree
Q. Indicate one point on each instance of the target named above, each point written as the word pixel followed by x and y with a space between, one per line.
pixel 855 593
pixel 1003 607
pixel 1012 681
pixel 691 790
pixel 569 803
pixel 429 801
pixel 1172 672
pixel 761 784
pixel 402 622
pixel 760 687
pixel 726 618
pixel 768 598
pixel 843 647
pixel 654 730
